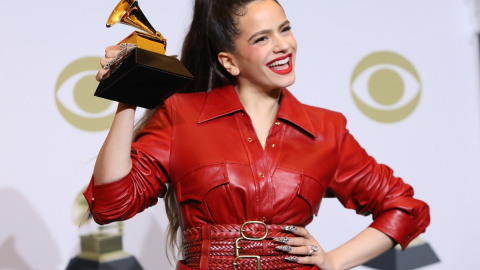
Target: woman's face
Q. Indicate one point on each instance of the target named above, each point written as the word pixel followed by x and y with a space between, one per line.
pixel 265 49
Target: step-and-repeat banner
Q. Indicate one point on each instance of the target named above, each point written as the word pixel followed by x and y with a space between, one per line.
pixel 405 74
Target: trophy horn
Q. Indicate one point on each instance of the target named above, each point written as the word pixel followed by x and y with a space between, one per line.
pixel 80 211
pixel 128 12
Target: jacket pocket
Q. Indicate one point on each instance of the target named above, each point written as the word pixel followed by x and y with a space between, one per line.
pixel 197 184
pixel 311 191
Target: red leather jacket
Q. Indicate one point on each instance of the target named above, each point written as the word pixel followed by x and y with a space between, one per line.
pixel 204 144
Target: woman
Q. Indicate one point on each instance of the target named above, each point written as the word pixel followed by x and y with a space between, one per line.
pixel 245 165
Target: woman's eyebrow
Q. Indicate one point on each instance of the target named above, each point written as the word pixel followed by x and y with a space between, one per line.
pixel 263 32
pixel 287 22
pixel 259 33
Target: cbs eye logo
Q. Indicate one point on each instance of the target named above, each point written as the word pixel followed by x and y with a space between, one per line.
pixel 74 91
pixel 385 87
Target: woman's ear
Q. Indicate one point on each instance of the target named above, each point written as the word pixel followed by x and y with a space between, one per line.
pixel 228 62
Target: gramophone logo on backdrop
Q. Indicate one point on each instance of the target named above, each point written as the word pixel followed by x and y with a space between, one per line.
pixel 74 96
pixel 386 87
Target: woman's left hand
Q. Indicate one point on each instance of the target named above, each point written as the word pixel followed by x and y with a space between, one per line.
pixel 305 249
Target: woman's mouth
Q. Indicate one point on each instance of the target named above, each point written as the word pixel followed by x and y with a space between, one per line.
pixel 281 65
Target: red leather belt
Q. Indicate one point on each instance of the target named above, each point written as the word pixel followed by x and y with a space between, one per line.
pixel 248 246
pixel 253 230
pixel 181 266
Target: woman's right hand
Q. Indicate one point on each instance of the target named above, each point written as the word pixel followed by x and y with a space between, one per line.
pixel 111 53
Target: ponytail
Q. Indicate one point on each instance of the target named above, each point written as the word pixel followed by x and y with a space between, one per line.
pixel 211 32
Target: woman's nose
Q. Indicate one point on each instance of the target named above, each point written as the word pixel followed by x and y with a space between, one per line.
pixel 281 44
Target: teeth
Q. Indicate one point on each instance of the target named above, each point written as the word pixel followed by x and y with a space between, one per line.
pixel 280 62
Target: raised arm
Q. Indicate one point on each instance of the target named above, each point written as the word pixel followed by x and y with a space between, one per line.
pixel 113 161
pixel 128 177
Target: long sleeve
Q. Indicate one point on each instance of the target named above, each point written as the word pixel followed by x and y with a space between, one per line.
pixel 360 183
pixel 122 199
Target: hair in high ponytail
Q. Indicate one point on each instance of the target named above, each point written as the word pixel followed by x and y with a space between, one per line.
pixel 213 30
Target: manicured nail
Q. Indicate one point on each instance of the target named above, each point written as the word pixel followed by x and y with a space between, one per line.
pixel 107 66
pixel 128 46
pixel 122 53
pixel 292 258
pixel 290 228
pixel 284 248
pixel 282 239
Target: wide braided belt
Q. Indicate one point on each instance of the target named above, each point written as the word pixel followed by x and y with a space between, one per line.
pixel 240 247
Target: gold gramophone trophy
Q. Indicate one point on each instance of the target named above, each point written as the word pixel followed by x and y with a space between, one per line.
pixel 142 74
pixel 102 248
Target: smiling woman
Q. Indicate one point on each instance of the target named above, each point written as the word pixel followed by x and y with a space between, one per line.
pixel 243 165
pixel 265 50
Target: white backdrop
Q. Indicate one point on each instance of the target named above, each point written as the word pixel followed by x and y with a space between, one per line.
pixel 46 160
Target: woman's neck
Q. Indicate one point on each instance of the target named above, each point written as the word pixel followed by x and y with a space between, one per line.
pixel 261 103
pixel 262 107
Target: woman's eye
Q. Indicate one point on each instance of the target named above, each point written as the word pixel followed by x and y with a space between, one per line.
pixel 261 39
pixel 286 29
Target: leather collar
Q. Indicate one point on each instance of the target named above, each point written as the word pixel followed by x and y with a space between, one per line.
pixel 224 101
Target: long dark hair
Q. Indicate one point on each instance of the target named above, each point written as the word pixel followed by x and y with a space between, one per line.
pixel 213 30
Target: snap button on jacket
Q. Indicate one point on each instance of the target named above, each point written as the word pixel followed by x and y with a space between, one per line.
pixel 205 146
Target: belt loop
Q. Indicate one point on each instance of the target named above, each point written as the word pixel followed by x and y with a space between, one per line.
pixel 265 247
pixel 205 255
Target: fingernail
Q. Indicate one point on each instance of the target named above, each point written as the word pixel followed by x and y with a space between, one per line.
pixel 128 46
pixel 123 51
pixel 290 228
pixel 292 258
pixel 284 248
pixel 107 66
pixel 282 239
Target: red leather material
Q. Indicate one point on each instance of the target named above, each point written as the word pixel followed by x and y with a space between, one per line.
pixel 181 266
pixel 204 144
pixel 222 247
pixel 232 231
pixel 205 247
pixel 266 262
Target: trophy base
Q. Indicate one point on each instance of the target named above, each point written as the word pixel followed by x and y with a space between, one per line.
pixel 103 251
pixel 146 42
pixel 144 79
pixel 414 256
pixel 129 263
